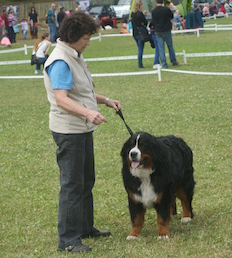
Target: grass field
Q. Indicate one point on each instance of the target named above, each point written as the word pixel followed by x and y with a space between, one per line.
pixel 195 107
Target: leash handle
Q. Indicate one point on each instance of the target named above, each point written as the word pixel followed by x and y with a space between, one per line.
pixel 119 112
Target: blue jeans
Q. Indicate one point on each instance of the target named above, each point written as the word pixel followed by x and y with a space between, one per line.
pixel 52 32
pixel 140 45
pixel 40 61
pixel 166 37
pixel 24 34
pixel 75 157
pixel 156 58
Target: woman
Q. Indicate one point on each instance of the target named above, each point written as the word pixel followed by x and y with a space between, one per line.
pixel 33 21
pixel 41 49
pixel 73 118
pixel 138 20
pixel 12 21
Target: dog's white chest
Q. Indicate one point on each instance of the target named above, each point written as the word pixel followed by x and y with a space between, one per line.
pixel 148 195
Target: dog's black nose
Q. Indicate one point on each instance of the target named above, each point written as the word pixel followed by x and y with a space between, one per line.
pixel 133 154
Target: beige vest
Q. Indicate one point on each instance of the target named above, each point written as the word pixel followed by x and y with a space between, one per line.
pixel 82 92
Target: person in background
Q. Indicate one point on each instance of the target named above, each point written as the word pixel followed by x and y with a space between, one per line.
pixel 213 9
pixel 73 118
pixel 138 20
pixel 156 64
pixel 162 20
pixel 230 3
pixel 41 49
pixel 171 6
pixel 5 22
pixel 196 8
pixel 33 21
pixel 178 21
pixel 60 16
pixel 24 28
pixel 227 6
pixel 5 42
pixel 222 9
pixel 1 27
pixel 57 25
pixel 205 10
pixel 12 21
pixel 52 22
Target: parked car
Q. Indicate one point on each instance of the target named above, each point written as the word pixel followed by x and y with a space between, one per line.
pixel 105 13
pixel 122 9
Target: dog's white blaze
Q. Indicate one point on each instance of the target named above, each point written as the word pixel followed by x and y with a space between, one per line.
pixel 136 149
pixel 148 195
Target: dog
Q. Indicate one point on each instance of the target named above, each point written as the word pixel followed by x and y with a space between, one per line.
pixel 155 171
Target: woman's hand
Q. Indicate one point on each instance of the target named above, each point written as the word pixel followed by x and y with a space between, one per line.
pixel 115 104
pixel 95 117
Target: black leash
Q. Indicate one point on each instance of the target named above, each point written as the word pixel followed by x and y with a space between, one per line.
pixel 119 112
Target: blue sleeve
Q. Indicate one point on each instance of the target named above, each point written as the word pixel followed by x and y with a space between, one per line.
pixel 60 75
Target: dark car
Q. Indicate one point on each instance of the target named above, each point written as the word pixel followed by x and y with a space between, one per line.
pixel 105 13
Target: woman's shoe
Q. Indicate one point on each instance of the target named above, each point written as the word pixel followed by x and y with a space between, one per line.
pixel 79 248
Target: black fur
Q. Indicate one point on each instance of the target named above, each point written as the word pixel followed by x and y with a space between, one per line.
pixel 172 166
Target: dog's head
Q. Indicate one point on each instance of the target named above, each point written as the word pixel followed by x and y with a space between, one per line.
pixel 139 153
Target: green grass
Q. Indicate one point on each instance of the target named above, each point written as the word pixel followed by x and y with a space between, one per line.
pixel 197 108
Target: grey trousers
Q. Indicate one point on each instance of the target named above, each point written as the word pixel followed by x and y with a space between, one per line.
pixel 75 158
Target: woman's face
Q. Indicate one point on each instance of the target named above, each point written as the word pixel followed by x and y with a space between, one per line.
pixel 81 44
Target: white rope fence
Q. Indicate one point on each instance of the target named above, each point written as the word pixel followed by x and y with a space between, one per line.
pixel 121 58
pixel 93 75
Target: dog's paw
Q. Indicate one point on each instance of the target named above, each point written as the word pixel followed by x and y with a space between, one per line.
pixel 131 238
pixel 166 237
pixel 185 219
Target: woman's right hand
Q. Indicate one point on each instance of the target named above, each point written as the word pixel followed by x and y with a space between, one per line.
pixel 95 117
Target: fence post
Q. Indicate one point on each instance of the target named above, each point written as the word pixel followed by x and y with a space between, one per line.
pixel 25 48
pixel 159 74
pixel 185 60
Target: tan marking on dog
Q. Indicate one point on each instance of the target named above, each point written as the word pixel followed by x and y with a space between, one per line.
pixel 163 227
pixel 137 225
pixel 159 198
pixel 148 163
pixel 131 195
pixel 184 202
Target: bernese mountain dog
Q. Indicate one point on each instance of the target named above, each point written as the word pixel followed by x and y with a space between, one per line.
pixel 155 171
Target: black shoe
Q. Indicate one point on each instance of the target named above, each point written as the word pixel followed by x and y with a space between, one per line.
pixel 79 248
pixel 175 64
pixel 141 67
pixel 96 233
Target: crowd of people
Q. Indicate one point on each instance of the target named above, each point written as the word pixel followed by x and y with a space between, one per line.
pixel 215 7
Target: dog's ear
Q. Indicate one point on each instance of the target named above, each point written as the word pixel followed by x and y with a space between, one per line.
pixel 125 148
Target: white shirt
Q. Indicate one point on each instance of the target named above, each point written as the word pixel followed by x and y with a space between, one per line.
pixel 41 49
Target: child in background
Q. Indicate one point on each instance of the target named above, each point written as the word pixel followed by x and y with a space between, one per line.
pixel 5 42
pixel 24 27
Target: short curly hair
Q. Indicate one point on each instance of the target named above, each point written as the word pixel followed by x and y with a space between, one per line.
pixel 76 25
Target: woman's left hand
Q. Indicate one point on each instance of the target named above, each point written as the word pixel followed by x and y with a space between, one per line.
pixel 115 104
